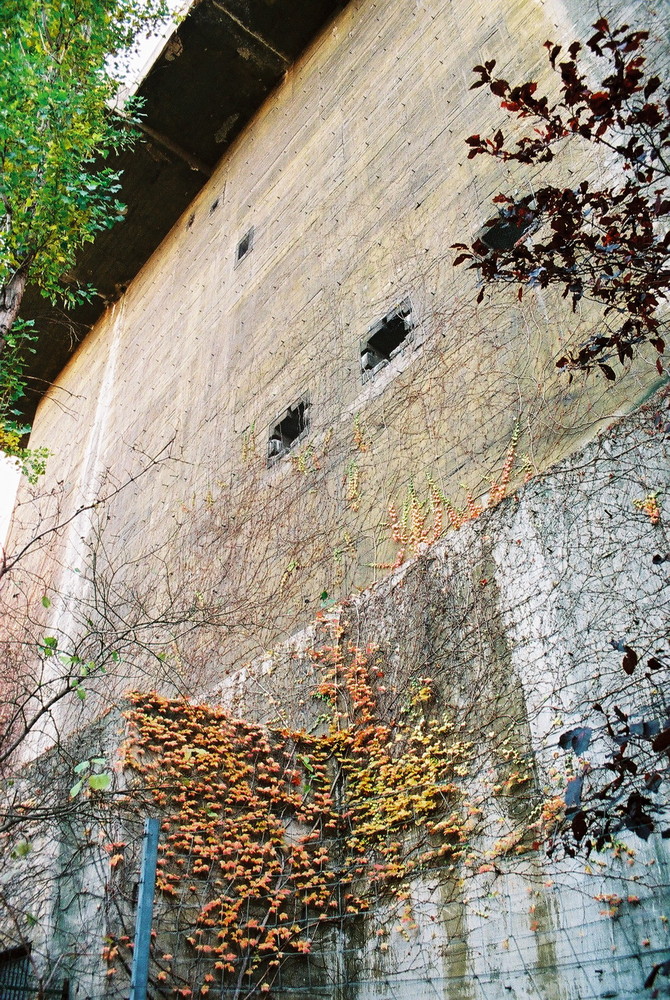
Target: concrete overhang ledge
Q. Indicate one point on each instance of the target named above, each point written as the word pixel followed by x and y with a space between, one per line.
pixel 209 79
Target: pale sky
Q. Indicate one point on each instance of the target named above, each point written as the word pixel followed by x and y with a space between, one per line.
pixel 143 55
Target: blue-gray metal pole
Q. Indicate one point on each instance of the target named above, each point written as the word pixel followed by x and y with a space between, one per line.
pixel 145 909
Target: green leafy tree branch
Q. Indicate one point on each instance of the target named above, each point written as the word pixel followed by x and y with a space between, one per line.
pixel 59 83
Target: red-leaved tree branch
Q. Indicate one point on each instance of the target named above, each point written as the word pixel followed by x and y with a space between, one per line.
pixel 611 244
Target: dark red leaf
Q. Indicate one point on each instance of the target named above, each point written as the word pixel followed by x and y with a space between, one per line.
pixel 553 54
pixel 481 295
pixel 579 826
pixel 608 372
pixel 461 257
pixel 652 85
pixel 600 102
pixel 662 741
pixel 654 664
pixel 593 43
pixel 499 87
pixel 629 661
pixel 659 366
pixel 636 818
pixel 519 294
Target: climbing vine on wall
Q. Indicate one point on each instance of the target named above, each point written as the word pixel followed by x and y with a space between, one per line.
pixel 418 521
pixel 270 836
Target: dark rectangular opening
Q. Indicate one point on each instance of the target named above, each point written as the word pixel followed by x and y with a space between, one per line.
pixel 387 338
pixel 17 981
pixel 288 430
pixel 244 246
pixel 15 974
pixel 503 234
pixel 503 231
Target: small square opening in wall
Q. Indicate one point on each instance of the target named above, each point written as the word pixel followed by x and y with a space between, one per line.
pixel 288 430
pixel 387 338
pixel 504 231
pixel 502 234
pixel 245 245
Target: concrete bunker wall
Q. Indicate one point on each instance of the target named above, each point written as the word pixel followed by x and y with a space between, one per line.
pixel 355 180
pixel 520 620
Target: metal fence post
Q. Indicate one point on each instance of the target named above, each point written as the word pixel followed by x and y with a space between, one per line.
pixel 145 909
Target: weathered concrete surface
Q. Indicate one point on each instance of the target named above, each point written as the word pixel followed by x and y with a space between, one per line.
pixel 355 178
pixel 517 616
pixel 520 617
pixel 539 585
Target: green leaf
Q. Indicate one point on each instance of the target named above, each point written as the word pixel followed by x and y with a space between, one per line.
pixel 83 765
pixel 46 603
pixel 50 645
pixel 76 788
pixel 100 782
pixel 23 848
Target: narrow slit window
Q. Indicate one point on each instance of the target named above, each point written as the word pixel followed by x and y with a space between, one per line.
pixel 289 429
pixel 387 338
pixel 244 246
